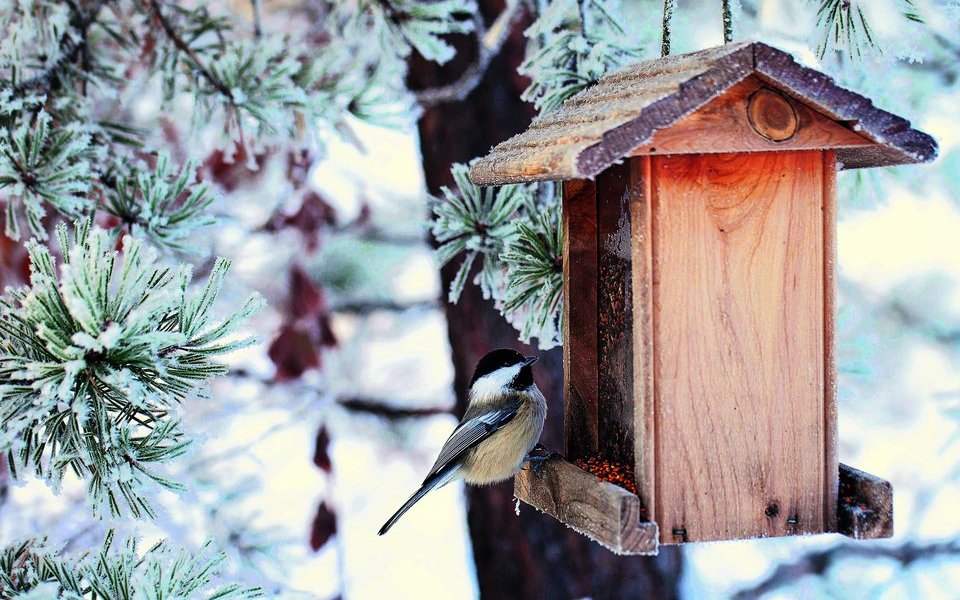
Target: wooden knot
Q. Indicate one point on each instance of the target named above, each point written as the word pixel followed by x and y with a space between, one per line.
pixel 772 115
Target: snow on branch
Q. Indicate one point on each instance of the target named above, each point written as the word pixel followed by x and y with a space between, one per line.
pixel 34 569
pixel 570 49
pixel 161 205
pixel 43 163
pixel 514 230
pixel 96 356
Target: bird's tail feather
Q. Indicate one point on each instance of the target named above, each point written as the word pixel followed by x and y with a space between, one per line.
pixel 439 480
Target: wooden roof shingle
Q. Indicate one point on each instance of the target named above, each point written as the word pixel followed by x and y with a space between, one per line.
pixel 602 124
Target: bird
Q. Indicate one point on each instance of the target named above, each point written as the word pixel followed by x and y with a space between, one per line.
pixel 502 424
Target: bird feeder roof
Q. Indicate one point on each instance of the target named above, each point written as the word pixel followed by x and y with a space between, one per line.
pixel 604 123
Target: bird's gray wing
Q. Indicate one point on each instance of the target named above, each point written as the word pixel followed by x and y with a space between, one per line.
pixel 476 426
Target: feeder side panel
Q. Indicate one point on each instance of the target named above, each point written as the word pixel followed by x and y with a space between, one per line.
pixel 831 458
pixel 580 318
pixel 615 315
pixel 739 343
pixel 643 358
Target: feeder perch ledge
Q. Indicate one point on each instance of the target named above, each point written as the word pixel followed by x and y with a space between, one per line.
pixel 612 516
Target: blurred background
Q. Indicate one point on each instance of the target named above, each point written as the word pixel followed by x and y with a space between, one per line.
pixel 327 425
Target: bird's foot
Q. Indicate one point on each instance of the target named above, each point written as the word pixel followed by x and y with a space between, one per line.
pixel 539 457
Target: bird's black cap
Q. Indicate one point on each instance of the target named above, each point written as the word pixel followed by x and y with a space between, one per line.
pixel 505 357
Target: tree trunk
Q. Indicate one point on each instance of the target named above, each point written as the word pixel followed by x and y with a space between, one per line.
pixel 530 556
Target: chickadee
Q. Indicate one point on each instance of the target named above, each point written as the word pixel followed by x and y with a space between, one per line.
pixel 503 421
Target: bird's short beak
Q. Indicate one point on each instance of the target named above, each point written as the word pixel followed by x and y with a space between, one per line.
pixel 530 360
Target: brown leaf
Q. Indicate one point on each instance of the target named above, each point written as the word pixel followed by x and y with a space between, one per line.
pixel 308 306
pixel 306 298
pixel 14 262
pixel 230 172
pixel 321 457
pixel 314 214
pixel 363 217
pixel 324 526
pixel 148 48
pixel 293 352
pixel 325 335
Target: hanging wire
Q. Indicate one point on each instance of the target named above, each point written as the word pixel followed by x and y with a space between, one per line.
pixel 727 22
pixel 668 7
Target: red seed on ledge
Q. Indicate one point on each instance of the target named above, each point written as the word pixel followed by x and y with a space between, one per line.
pixel 605 470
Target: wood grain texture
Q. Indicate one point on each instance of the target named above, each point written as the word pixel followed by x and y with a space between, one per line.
pixel 615 315
pixel 865 507
pixel 772 115
pixel 599 510
pixel 580 318
pixel 830 462
pixel 641 210
pixel 738 333
pixel 724 125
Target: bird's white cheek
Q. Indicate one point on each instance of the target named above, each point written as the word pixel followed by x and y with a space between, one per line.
pixel 494 384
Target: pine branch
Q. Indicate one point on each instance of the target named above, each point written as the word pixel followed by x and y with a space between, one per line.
pixel 571 45
pixel 34 569
pixel 533 301
pixel 94 358
pixel 164 206
pixel 43 163
pixel 418 24
pixel 844 24
pixel 72 47
pixel 183 46
pixel 489 43
pixel 475 222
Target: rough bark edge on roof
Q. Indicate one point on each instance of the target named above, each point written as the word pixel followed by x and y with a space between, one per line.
pixel 896 142
pixel 692 94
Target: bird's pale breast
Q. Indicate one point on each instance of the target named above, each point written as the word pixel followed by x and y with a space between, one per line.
pixel 500 456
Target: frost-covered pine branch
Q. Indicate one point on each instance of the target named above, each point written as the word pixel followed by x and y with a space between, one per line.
pixel 32 569
pixel 475 222
pixel 515 230
pixel 42 163
pixel 61 63
pixel 533 300
pixel 95 358
pixel 405 25
pixel 571 45
pixel 845 24
pixel 161 205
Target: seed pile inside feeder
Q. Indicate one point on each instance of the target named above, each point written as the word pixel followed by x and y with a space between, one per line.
pixel 615 473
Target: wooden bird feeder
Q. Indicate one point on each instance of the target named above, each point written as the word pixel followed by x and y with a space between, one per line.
pixel 699 208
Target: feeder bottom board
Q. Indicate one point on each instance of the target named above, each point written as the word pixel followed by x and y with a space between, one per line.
pixel 612 516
